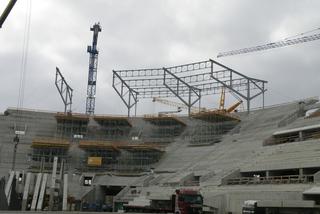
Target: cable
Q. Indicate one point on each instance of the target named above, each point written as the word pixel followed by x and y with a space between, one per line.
pixel 24 57
pixel 23 69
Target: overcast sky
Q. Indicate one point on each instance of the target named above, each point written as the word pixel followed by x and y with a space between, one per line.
pixel 146 34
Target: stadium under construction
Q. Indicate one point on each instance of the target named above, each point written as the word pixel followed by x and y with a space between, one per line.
pixel 87 162
pixel 223 160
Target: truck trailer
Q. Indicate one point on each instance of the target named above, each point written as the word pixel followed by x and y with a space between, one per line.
pixel 184 201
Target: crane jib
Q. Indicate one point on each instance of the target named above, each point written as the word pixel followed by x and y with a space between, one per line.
pixel 279 44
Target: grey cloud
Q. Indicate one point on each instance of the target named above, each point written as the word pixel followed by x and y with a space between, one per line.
pixel 137 34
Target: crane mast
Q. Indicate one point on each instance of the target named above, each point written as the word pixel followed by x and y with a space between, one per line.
pixel 283 43
pixel 93 66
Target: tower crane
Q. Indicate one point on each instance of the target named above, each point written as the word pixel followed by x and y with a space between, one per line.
pixel 286 42
pixel 6 11
pixel 93 68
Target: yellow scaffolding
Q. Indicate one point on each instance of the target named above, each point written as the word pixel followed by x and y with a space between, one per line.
pixel 71 116
pixel 42 143
pixel 216 116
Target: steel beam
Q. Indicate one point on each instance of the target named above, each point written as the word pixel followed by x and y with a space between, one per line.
pixel 127 94
pixel 64 90
pixel 184 82
pixel 174 84
pixel 251 83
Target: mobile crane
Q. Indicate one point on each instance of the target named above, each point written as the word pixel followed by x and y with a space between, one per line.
pixel 221 108
pixel 222 102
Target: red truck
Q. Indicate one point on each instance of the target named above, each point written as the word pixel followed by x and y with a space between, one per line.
pixel 184 201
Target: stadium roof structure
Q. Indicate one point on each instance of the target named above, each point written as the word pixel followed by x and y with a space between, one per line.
pixel 188 83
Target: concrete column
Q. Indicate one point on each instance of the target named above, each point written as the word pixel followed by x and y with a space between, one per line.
pixel 300 136
pixel 42 191
pixel 36 192
pixel 53 183
pixel 65 193
pixel 8 186
pixel 267 174
pixel 316 177
pixel 300 173
pixel 26 192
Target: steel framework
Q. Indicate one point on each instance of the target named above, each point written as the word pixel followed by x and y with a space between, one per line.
pixel 64 90
pixel 93 66
pixel 186 82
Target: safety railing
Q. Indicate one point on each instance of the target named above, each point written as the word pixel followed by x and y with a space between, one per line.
pixel 286 179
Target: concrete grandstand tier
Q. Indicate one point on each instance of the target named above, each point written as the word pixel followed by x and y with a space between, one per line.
pixel 112 120
pixel 168 120
pixel 71 117
pixel 220 151
pixel 215 116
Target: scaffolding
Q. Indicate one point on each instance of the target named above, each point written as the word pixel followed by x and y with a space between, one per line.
pixel 216 116
pixel 44 151
pixel 139 157
pixel 208 127
pixel 113 127
pixel 71 124
pixel 118 156
pixel 187 82
pixel 165 128
pixel 99 155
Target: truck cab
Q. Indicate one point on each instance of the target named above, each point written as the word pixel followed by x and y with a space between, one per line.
pixel 188 201
pixel 250 207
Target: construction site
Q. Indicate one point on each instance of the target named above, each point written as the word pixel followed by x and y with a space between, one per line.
pixel 188 159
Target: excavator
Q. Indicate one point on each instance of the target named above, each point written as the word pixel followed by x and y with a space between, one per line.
pixel 6 12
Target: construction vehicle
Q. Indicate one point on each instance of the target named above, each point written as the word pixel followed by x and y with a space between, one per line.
pixel 184 201
pixel 250 207
pixel 222 102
